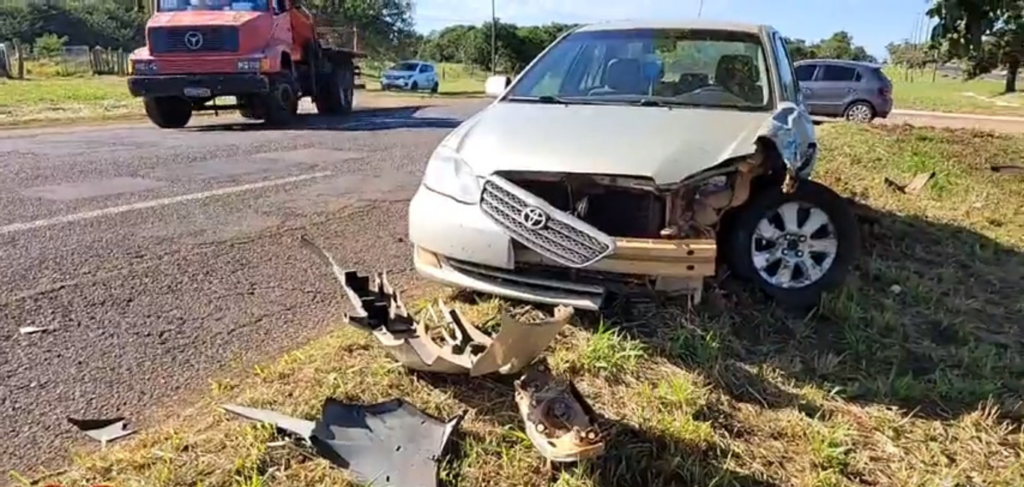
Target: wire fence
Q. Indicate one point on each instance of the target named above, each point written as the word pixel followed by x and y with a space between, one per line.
pixel 20 61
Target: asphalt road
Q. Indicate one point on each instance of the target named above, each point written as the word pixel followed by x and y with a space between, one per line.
pixel 159 257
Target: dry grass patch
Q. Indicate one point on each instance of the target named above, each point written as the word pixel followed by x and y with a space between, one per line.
pixel 908 386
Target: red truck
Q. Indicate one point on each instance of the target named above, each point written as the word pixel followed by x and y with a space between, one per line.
pixel 264 53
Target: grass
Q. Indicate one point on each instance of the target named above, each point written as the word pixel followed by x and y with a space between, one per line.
pixel 45 98
pixel 946 94
pixel 910 376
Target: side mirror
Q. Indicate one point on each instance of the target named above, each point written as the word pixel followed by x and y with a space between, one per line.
pixel 496 85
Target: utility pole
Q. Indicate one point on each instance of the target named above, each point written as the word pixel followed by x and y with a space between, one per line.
pixel 494 38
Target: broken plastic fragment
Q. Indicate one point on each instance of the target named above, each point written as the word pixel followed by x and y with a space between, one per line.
pixel 28 330
pixel 294 426
pixel 385 444
pixel 559 422
pixel 102 430
pixel 379 309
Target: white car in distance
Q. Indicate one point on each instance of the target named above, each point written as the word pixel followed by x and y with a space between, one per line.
pixel 631 156
pixel 410 75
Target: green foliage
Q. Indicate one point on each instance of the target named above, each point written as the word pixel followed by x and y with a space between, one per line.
pixel 49 46
pixel 839 46
pixel 103 23
pixel 515 46
pixel 986 34
pixel 912 55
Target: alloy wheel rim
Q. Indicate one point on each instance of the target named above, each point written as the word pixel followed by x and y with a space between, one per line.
pixel 794 245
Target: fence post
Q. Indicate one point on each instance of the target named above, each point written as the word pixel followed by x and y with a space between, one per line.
pixel 21 60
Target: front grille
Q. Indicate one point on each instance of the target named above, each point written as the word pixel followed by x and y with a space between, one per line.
pixel 168 40
pixel 565 239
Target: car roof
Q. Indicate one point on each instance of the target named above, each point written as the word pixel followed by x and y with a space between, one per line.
pixel 839 62
pixel 696 24
pixel 414 61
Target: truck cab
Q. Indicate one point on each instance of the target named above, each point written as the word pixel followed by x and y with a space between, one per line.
pixel 264 53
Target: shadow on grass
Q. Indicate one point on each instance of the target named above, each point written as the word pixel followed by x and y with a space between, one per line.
pixel 930 322
pixel 633 455
pixel 370 120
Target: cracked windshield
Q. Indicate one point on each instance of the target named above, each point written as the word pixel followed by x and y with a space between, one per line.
pixel 684 67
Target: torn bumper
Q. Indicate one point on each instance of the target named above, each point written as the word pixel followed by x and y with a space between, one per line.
pixel 459 245
pixel 378 309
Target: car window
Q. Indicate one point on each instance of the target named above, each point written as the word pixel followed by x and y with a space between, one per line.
pixel 787 78
pixel 405 67
pixel 428 68
pixel 833 72
pixel 805 72
pixel 687 67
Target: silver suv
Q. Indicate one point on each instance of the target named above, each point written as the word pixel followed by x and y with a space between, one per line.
pixel 856 91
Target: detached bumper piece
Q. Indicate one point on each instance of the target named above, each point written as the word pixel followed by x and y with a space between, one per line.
pixel 559 422
pixel 385 444
pixel 465 349
pixel 215 84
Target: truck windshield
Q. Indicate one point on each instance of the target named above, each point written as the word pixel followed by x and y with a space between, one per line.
pixel 228 5
pixel 713 68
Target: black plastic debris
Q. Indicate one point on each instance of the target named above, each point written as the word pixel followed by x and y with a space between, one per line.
pixel 103 430
pixel 374 301
pixel 391 443
pixel 1008 169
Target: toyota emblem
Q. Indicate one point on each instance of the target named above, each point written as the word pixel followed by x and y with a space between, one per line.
pixel 534 218
pixel 193 40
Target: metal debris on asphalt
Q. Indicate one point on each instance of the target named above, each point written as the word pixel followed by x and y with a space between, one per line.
pixel 29 330
pixel 466 350
pixel 391 443
pixel 559 422
pixel 103 430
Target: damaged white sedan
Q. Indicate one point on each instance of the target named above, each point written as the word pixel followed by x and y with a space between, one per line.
pixel 636 156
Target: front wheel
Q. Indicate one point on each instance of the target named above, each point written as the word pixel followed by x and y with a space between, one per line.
pixel 414 86
pixel 168 112
pixel 795 246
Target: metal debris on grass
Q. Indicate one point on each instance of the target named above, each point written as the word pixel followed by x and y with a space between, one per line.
pixel 103 430
pixel 391 443
pixel 559 422
pixel 379 310
pixel 914 186
pixel 1008 169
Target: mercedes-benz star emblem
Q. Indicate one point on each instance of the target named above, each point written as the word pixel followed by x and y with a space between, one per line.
pixel 193 40
pixel 534 218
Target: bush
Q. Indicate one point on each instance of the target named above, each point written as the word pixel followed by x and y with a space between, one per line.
pixel 49 46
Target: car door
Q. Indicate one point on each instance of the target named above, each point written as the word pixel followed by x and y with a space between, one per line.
pixel 421 76
pixel 430 76
pixel 805 79
pixel 835 85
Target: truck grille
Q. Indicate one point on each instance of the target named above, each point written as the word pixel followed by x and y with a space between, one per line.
pixel 563 238
pixel 165 40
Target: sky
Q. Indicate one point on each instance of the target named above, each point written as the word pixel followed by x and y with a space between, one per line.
pixel 872 23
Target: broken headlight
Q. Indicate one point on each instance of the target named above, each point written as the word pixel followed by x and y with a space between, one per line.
pixel 448 174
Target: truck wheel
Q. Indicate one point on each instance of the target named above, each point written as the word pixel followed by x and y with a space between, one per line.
pixel 794 246
pixel 333 97
pixel 168 112
pixel 282 102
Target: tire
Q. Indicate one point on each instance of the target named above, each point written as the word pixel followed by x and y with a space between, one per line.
pixel 809 199
pixel 859 112
pixel 169 112
pixel 335 94
pixel 414 86
pixel 282 102
pixel 434 89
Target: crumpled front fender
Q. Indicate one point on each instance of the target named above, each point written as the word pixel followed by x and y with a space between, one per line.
pixel 791 129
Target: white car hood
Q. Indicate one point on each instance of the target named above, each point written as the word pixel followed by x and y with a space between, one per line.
pixel 664 144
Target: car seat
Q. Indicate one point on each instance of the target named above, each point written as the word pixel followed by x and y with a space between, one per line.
pixel 624 76
pixel 737 73
pixel 688 82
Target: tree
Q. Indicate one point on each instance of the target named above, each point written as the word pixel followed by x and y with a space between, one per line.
pixel 49 46
pixel 986 34
pixel 839 46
